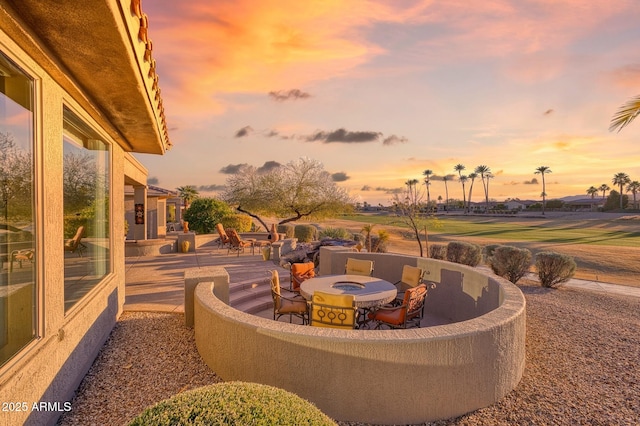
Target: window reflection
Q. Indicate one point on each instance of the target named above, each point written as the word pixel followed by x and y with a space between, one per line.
pixel 86 209
pixel 17 214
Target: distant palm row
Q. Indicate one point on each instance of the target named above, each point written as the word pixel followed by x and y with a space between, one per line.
pixel 622 181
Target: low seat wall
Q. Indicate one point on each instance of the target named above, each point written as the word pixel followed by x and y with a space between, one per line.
pixel 377 376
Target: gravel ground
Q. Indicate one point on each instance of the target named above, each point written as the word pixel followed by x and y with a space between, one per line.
pixel 582 353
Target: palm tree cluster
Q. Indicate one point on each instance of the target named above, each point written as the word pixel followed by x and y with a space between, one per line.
pixel 482 171
pixel 623 182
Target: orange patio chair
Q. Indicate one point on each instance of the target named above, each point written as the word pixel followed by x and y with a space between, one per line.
pixel 408 314
pixel 236 243
pixel 224 238
pixel 301 272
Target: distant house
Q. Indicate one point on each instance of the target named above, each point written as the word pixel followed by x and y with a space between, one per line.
pixel 585 204
pixel 79 93
pixel 515 205
pixel 161 204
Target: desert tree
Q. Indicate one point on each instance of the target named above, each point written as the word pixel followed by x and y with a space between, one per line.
pixel 459 168
pixel 445 179
pixel 621 179
pixel 625 114
pixel 296 190
pixel 634 188
pixel 15 178
pixel 592 190
pixel 604 188
pixel 408 207
pixel 542 170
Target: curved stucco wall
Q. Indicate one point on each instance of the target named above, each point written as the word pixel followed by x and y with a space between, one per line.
pixel 374 376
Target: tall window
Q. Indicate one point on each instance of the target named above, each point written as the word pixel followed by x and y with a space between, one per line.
pixel 17 212
pixel 86 209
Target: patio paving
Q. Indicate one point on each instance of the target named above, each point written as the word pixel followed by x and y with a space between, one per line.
pixel 156 283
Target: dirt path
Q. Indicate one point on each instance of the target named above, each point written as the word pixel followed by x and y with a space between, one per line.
pixel 611 264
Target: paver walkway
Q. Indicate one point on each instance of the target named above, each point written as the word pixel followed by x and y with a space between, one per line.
pixel 156 283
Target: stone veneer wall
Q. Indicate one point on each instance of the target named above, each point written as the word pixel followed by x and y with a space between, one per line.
pixel 380 376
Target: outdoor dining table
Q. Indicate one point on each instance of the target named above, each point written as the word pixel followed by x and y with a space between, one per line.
pixel 369 292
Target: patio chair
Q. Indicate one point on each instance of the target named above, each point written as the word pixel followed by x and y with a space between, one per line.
pixel 292 306
pixel 224 238
pixel 411 277
pixel 359 267
pixel 24 255
pixel 75 245
pixel 301 272
pixel 236 243
pixel 333 310
pixel 409 314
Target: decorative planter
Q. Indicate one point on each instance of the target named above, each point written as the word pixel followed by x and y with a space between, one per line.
pixel 185 246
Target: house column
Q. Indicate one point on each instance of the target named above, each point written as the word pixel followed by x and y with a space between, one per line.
pixel 140 212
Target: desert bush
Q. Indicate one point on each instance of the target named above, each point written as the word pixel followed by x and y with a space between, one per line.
pixel 287 229
pixel 338 233
pixel 438 251
pixel 464 253
pixel 510 262
pixel 554 268
pixel 305 233
pixel 239 222
pixel 489 249
pixel 204 213
pixel 233 403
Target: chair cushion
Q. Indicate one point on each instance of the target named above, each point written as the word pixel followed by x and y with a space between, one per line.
pixel 292 306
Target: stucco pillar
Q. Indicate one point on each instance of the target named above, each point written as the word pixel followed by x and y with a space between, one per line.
pixel 140 198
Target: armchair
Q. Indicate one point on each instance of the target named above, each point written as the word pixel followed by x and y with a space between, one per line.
pixel 408 314
pixel 333 310
pixel 301 272
pixel 292 306
pixel 359 267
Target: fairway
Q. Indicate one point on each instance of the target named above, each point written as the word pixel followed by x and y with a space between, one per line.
pixel 512 229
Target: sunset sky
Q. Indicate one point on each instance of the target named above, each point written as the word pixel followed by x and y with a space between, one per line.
pixel 379 91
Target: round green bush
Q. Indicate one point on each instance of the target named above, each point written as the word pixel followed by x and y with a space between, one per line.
pixel 288 229
pixel 305 233
pixel 233 403
pixel 239 222
pixel 204 213
pixel 464 253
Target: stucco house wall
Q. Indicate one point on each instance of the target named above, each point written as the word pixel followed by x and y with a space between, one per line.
pixel 72 67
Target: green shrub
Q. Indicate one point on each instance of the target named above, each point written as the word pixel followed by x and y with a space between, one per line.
pixel 233 403
pixel 554 268
pixel 438 251
pixel 204 213
pixel 305 233
pixel 338 233
pixel 464 253
pixel 287 229
pixel 510 262
pixel 239 222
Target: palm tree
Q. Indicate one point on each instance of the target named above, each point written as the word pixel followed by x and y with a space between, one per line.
pixel 592 191
pixel 625 115
pixel 484 171
pixel 459 168
pixel 473 177
pixel 634 188
pixel 413 191
pixel 445 178
pixel 542 170
pixel 604 188
pixel 621 179
pixel 188 193
pixel 427 181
